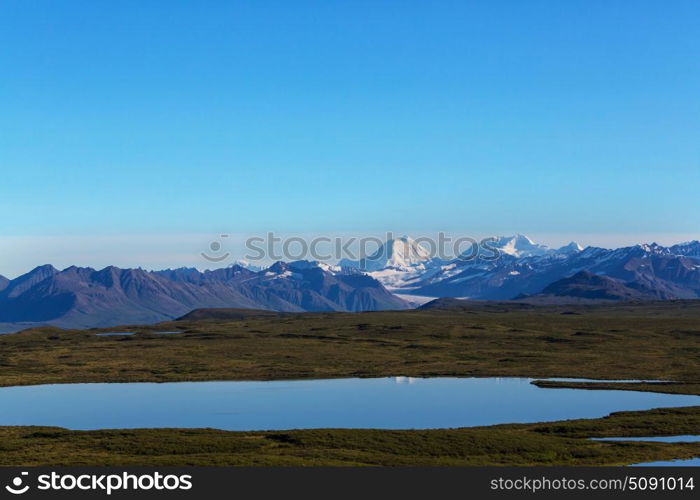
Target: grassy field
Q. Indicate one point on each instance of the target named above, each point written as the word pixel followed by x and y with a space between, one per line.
pixel 662 387
pixel 555 443
pixel 653 341
pixel 628 341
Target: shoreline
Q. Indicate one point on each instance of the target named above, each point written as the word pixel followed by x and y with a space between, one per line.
pixel 659 386
pixel 603 343
pixel 564 442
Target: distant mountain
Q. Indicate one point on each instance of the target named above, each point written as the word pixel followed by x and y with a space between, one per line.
pixel 223 313
pixel 398 264
pixel 234 273
pixel 585 284
pixel 398 253
pixel 318 288
pixel 446 304
pixel 19 285
pixel 688 249
pixel 84 297
pixel 570 249
pixel 401 268
pixel 651 266
pixel 526 267
pixel 248 265
pixel 520 246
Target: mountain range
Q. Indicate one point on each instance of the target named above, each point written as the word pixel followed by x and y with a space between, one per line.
pixel 526 268
pixel 401 274
pixel 79 297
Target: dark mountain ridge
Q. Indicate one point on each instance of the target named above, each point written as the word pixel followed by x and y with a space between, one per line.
pixel 587 285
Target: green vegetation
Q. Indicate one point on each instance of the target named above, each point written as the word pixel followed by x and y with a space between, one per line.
pixel 555 443
pixel 663 387
pixel 627 341
pixel 621 341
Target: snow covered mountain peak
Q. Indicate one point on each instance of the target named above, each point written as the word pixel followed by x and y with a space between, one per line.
pixel 311 264
pixel 246 265
pixel 570 248
pixel 688 249
pixel 400 253
pixel 520 246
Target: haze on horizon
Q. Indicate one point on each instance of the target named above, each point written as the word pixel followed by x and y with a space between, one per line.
pixel 132 134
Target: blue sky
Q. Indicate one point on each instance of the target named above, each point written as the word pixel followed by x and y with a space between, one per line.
pixel 127 121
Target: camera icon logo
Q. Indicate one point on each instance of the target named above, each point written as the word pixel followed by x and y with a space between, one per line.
pixel 16 487
pixel 215 247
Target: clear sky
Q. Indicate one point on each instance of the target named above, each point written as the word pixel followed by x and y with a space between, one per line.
pixel 127 121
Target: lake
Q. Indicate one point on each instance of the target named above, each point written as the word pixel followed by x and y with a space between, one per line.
pixel 690 462
pixel 386 403
pixel 687 438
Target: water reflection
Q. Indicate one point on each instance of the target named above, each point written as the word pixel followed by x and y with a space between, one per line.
pixel 406 380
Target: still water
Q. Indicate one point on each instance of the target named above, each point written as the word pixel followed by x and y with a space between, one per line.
pixel 688 438
pixel 386 403
pixel 690 462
